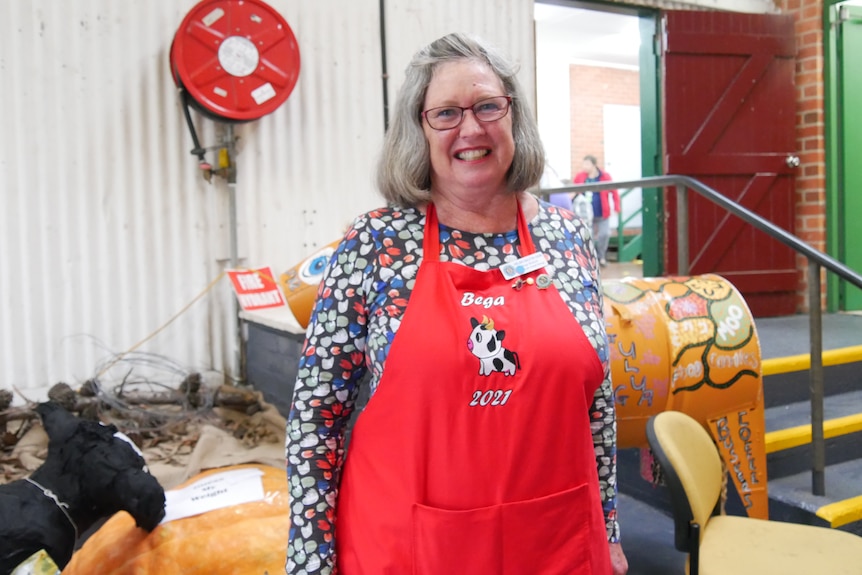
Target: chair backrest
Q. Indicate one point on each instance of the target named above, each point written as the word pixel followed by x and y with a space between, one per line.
pixel 692 469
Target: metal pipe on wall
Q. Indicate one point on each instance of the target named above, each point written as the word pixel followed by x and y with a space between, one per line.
pixel 239 348
pixel 384 75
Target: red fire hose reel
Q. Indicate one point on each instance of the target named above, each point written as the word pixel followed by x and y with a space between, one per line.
pixel 234 60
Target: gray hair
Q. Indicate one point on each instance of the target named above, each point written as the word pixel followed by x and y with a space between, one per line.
pixel 404 169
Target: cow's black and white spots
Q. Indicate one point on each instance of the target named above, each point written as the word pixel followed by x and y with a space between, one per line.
pixel 486 343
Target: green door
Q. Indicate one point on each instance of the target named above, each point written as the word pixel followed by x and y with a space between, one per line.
pixel 850 141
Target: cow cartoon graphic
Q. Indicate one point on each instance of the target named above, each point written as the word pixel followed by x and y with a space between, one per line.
pixel 486 343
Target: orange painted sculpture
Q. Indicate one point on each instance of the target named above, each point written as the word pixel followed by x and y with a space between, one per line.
pixel 680 343
pixel 689 344
pixel 300 282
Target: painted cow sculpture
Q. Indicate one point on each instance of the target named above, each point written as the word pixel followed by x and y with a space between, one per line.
pixel 689 344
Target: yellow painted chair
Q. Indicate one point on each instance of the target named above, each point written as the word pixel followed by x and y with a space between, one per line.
pixel 730 545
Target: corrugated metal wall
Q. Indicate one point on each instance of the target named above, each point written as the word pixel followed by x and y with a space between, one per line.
pixel 507 23
pixel 108 230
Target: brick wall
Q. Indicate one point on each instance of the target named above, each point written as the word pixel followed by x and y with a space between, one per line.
pixel 591 87
pixel 810 135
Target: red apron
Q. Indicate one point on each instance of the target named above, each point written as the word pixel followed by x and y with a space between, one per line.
pixel 474 456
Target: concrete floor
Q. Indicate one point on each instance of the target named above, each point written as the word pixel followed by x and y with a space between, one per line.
pixel 617 270
pixel 647 539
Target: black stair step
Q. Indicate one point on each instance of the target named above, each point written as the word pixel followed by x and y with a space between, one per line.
pixel 791 498
pixel 788 433
pixel 787 387
pixel 838 449
pixel 835 406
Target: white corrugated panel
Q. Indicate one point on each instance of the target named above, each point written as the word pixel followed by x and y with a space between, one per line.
pixel 410 24
pixel 92 179
pixel 108 230
pixel 110 237
pixel 307 170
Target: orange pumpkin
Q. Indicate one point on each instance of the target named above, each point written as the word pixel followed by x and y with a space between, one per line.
pixel 246 539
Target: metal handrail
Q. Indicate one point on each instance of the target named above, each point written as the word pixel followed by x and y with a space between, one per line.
pixel 816 259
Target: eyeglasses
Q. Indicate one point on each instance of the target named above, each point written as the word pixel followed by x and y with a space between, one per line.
pixel 487 110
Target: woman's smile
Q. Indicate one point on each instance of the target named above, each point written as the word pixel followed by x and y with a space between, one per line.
pixel 473 158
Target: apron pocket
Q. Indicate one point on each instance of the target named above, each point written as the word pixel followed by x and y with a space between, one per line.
pixel 456 542
pixel 552 535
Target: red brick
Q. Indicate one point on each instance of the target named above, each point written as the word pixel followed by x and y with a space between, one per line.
pixel 809 189
pixel 811 36
pixel 813 197
pixel 807 51
pixel 809 156
pixel 811 104
pixel 812 223
pixel 810 144
pixel 812 118
pixel 812 209
pixel 811 10
pixel 591 87
pixel 812 64
pixel 807 78
pixel 808 131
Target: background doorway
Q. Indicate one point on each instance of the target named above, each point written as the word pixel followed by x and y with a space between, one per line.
pixel 588 93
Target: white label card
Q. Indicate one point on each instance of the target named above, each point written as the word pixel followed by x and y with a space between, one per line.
pixel 263 93
pixel 213 17
pixel 215 491
pixel 524 265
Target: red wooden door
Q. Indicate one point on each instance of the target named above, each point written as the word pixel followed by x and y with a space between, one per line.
pixel 729 116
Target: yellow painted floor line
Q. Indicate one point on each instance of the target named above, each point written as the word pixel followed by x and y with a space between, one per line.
pixel 800 435
pixel 842 512
pixel 802 362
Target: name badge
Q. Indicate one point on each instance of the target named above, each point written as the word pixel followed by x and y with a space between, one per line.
pixel 524 265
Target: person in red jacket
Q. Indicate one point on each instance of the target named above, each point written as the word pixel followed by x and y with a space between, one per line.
pixel 602 205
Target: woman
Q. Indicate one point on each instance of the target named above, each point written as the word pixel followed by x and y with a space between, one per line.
pixel 489 436
pixel 603 208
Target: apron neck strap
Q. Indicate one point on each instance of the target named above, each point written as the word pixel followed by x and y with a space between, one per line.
pixel 431 241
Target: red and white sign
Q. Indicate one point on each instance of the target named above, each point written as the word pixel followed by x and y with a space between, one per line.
pixel 256 289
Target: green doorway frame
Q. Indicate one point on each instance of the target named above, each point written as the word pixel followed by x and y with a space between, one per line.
pixel 839 235
pixel 651 145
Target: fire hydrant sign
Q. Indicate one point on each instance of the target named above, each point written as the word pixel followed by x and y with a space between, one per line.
pixel 256 289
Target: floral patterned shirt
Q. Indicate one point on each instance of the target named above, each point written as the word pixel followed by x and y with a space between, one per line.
pixel 360 303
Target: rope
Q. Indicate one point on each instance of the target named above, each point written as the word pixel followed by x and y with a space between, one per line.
pixel 162 327
pixel 52 496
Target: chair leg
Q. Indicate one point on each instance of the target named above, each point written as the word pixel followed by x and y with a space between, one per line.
pixel 694 556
